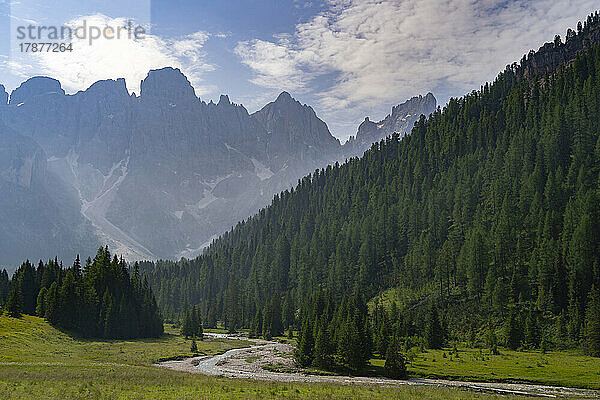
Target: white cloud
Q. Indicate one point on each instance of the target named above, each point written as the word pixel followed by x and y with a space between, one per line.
pixel 26 20
pixel 385 51
pixel 126 57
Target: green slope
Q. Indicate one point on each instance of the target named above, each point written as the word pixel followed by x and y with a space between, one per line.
pixel 491 205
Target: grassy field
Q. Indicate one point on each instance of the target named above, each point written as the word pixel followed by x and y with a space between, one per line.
pixel 31 339
pixel 38 361
pixel 553 368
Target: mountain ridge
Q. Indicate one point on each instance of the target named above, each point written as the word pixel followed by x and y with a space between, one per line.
pixel 164 158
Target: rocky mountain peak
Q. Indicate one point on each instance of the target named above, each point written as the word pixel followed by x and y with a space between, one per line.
pixel 169 84
pixel 366 126
pixel 295 129
pixel 284 97
pixel 108 88
pixel 554 54
pixel 418 104
pixel 3 96
pixel 224 100
pixel 401 120
pixel 34 88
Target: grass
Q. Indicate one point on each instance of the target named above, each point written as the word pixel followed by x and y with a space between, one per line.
pixel 564 368
pixel 40 362
pixel 30 339
pixel 402 296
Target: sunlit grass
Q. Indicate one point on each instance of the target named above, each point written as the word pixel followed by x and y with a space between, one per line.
pixel 40 362
pixel 564 368
pixel 30 339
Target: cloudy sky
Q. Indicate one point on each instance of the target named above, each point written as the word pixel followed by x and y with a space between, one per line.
pixel 347 58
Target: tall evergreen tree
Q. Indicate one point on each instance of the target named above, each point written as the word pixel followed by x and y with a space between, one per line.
pixel 14 303
pixel 434 332
pixel 305 351
pixel 395 365
pixel 592 324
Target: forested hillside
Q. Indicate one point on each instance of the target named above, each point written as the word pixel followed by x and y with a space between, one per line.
pixel 488 212
pixel 100 299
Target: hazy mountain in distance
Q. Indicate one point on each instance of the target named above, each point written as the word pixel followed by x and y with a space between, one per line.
pixel 157 175
pixel 401 120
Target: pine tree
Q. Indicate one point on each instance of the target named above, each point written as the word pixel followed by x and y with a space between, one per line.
pixel 68 298
pixel 591 333
pixel 4 286
pixel 305 350
pixel 40 310
pixel 395 365
pixel 52 314
pixel 194 346
pixel 199 331
pixel 256 326
pixel 323 355
pixel 434 333
pixel 383 335
pixel 532 330
pixel 512 331
pixel 111 317
pixel 350 346
pixel 187 328
pixel 14 303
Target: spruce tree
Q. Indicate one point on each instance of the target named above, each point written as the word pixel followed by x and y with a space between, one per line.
pixel 512 331
pixel 40 310
pixel 350 346
pixel 533 335
pixel 591 333
pixel 4 286
pixel 199 332
pixel 52 314
pixel 395 365
pixel 194 346
pixel 187 328
pixel 111 317
pixel 305 350
pixel 434 333
pixel 323 355
pixel 14 303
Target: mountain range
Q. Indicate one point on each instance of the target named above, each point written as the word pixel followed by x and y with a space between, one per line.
pixel 157 175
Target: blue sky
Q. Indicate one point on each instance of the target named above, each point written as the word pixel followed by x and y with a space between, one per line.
pixel 347 58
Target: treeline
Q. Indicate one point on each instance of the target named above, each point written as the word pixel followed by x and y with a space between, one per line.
pixel 489 209
pixel 102 299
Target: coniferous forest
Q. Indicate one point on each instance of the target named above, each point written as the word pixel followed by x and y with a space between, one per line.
pixel 99 299
pixel 483 223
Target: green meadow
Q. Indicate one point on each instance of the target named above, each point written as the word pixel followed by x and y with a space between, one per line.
pixel 40 362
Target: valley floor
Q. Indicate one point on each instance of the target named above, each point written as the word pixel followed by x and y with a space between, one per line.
pixel 38 361
pixel 273 361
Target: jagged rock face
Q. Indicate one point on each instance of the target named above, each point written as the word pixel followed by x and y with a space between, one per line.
pixel 168 85
pixel 22 160
pixel 549 57
pixel 401 120
pixel 3 96
pixel 159 175
pixel 153 176
pixel 39 216
pixel 295 131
